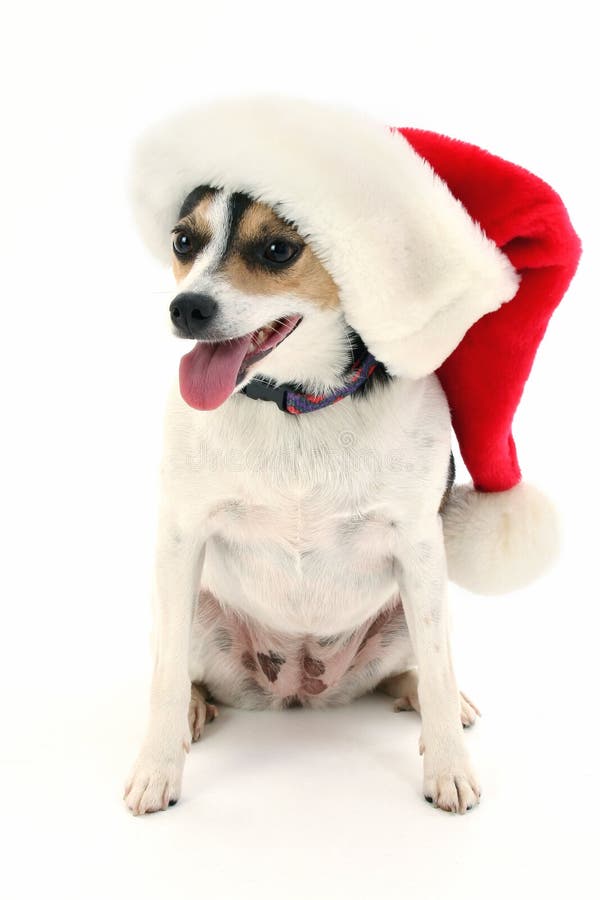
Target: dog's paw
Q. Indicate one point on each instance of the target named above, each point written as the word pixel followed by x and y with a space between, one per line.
pixel 155 781
pixel 405 689
pixel 200 712
pixel 468 711
pixel 451 785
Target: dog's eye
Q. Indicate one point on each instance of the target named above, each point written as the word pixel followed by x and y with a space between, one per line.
pixel 280 251
pixel 182 244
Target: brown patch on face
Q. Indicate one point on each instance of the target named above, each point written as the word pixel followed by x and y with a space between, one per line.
pixel 196 225
pixel 305 277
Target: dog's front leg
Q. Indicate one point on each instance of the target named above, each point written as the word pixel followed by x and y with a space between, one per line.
pixel 449 780
pixel 155 781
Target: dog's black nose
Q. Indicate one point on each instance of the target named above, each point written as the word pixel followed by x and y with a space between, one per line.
pixel 191 313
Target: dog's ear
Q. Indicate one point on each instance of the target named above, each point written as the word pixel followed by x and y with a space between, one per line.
pixel 413 268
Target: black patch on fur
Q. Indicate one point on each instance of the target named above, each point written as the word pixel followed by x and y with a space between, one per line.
pixel 449 480
pixel 451 473
pixel 291 702
pixel 329 641
pixel 194 197
pixel 238 204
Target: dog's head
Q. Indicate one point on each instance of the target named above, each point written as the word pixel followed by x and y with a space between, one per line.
pixel 381 242
pixel 247 283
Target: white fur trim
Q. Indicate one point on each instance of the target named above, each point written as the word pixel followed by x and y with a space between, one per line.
pixel 499 542
pixel 414 270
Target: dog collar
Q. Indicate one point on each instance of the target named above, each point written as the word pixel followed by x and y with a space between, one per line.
pixel 291 398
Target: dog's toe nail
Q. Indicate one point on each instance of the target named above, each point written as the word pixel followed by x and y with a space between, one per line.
pixel 172 802
pixel 429 799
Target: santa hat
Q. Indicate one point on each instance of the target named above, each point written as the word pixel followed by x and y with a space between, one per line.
pixel 428 239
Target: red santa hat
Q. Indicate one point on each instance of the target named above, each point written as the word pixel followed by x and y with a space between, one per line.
pixel 447 259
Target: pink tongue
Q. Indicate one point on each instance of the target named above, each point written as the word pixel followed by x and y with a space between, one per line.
pixel 207 375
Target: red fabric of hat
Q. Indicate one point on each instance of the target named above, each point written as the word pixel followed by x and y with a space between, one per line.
pixel 485 375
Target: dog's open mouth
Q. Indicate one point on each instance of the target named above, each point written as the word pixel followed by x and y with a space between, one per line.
pixel 211 371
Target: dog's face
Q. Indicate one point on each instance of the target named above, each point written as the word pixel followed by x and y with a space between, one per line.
pixel 248 283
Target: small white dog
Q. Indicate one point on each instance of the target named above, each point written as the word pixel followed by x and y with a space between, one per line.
pixel 301 555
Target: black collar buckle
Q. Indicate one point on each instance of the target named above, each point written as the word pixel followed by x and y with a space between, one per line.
pixel 258 389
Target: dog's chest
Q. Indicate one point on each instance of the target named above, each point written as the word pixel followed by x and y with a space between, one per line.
pixel 301 522
pixel 301 519
pixel 301 557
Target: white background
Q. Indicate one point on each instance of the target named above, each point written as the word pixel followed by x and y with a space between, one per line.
pixel 298 804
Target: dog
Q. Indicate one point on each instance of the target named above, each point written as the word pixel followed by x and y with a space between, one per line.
pixel 300 557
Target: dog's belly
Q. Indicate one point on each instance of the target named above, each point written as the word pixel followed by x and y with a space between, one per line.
pixel 308 610
pixel 244 664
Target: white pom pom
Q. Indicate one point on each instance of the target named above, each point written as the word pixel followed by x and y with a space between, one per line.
pixel 497 542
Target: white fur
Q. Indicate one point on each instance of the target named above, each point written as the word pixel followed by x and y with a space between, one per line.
pixel 217 216
pixel 498 542
pixel 414 271
pixel 308 525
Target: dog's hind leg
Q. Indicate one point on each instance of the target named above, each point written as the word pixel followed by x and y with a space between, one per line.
pixel 404 689
pixel 201 711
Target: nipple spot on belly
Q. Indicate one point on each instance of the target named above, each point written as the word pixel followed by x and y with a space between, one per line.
pixel 313 667
pixel 313 685
pixel 270 664
pixel 249 662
